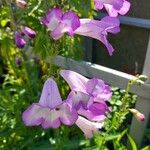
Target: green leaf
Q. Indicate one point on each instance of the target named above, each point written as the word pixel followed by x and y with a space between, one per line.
pixel 112 137
pixel 133 144
pixel 146 148
pixel 121 135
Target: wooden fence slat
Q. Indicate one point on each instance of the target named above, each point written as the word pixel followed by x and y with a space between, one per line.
pixel 113 77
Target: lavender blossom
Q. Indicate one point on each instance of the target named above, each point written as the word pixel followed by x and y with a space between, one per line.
pixel 99 29
pixel 113 7
pixel 88 96
pixel 50 111
pixel 59 22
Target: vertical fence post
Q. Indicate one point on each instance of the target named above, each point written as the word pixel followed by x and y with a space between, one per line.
pixel 137 129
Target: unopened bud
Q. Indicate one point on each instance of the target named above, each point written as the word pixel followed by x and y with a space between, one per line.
pixel 18 61
pixel 20 42
pixel 28 32
pixel 143 77
pixel 138 115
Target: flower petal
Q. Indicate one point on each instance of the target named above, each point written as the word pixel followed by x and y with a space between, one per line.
pixel 113 7
pixel 53 18
pixel 76 81
pixel 71 21
pixel 50 96
pixel 98 89
pixel 98 29
pixel 88 127
pixel 77 99
pixel 98 4
pixel 49 118
pixel 68 115
pixel 125 8
pixel 59 31
pixel 95 112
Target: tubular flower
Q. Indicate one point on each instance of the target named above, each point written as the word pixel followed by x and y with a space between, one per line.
pixel 50 111
pixel 59 22
pixel 88 96
pixel 99 29
pixel 88 127
pixel 113 7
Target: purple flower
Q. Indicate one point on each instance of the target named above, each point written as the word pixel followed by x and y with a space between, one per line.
pixel 113 7
pixel 88 127
pixel 88 96
pixel 50 111
pixel 20 42
pixel 28 32
pixel 59 22
pixel 99 29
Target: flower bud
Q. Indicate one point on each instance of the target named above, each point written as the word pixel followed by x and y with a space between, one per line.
pixel 29 32
pixel 138 115
pixel 20 42
pixel 18 61
pixel 21 3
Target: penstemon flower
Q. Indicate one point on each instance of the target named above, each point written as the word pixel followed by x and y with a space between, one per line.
pixel 59 22
pixel 50 111
pixel 113 7
pixel 88 96
pixel 99 29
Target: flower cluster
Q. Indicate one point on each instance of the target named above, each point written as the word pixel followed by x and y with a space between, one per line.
pixel 26 33
pixel 69 22
pixel 85 106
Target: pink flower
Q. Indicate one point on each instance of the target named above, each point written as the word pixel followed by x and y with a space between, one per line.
pixel 50 111
pixel 59 22
pixel 113 7
pixel 99 29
